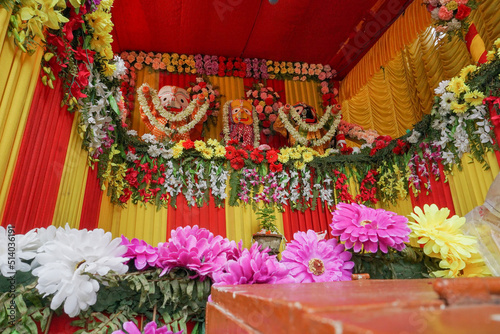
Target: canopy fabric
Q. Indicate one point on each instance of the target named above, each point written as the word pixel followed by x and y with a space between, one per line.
pixel 332 32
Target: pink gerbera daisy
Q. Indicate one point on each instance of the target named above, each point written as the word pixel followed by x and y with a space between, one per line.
pixel 359 226
pixel 196 249
pixel 312 260
pixel 150 328
pixel 141 252
pixel 253 267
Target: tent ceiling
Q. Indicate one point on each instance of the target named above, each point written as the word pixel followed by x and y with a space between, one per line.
pixel 329 32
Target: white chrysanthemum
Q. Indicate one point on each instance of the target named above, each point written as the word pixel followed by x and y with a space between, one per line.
pixel 415 135
pixel 120 69
pixel 446 100
pixel 24 249
pixel 66 262
pixel 441 89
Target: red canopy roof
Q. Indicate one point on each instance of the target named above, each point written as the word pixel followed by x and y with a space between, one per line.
pixel 328 32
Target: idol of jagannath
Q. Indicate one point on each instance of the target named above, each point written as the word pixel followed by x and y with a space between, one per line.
pixel 299 123
pixel 171 113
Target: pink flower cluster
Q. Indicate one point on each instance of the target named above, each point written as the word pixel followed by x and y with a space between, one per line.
pixel 267 103
pixel 361 227
pixel 355 131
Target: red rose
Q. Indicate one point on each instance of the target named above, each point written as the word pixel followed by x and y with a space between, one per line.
pixel 222 59
pixel 243 66
pixel 188 144
pixel 430 7
pixel 275 167
pixel 462 12
pixel 397 150
pixel 262 116
pixel 237 163
pixel 222 67
pixel 256 102
pixel 202 84
pixel 237 65
pixel 230 152
pixel 266 124
pixel 256 156
pixel 271 156
pixel 221 73
pixel 241 74
pixel 269 101
pixel 229 65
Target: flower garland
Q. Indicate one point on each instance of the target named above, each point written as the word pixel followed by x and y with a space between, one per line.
pixel 357 132
pixel 171 117
pixel 225 127
pixel 451 16
pixel 212 94
pixel 309 128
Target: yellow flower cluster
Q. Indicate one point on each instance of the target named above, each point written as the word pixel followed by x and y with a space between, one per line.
pixel 275 68
pixel 115 174
pixel 459 88
pixel 392 182
pixel 101 24
pixel 300 154
pixel 442 238
pixel 179 63
pixel 32 18
pixel 211 149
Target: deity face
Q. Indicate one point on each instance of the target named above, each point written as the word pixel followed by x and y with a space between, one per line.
pixel 241 112
pixel 306 112
pixel 174 98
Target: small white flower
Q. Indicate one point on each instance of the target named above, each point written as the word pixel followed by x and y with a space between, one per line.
pixel 149 138
pixel 132 133
pixel 154 151
pixel 356 150
pixel 121 69
pixel 132 156
pixel 446 101
pixel 441 88
pixel 415 135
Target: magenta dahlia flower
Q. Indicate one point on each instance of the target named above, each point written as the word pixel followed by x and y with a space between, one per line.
pixel 196 249
pixel 253 267
pixel 359 226
pixel 150 328
pixel 312 260
pixel 143 254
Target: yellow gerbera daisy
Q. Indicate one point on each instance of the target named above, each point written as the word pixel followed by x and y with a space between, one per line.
pixel 459 108
pixel 474 98
pixel 457 86
pixel 220 151
pixel 307 156
pixel 440 236
pixel 177 151
pixel 207 153
pixel 283 158
pixel 199 145
pixel 467 70
pixel 299 165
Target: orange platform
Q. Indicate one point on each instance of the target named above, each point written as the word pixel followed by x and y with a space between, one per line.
pixel 366 306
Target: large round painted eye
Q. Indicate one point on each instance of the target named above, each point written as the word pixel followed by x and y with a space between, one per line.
pixel 234 111
pixel 248 112
pixel 182 99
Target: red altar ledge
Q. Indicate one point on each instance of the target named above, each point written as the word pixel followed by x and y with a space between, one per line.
pixel 366 306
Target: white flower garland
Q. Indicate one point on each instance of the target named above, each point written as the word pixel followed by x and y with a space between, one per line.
pixel 310 128
pixel 225 127
pixel 171 117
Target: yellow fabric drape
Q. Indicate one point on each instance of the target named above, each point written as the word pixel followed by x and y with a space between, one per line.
pixel 403 206
pixel 73 182
pixel 141 221
pixel 395 98
pixel 231 88
pixel 303 91
pixel 406 28
pixel 469 186
pixel 487 21
pixel 241 223
pixel 18 79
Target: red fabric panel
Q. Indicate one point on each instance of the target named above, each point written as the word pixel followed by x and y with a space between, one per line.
pixel 35 184
pixel 91 202
pixel 208 216
pixel 318 220
pixel 179 80
pixel 439 194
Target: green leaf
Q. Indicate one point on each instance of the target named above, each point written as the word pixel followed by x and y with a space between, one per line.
pixel 21 305
pixel 114 106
